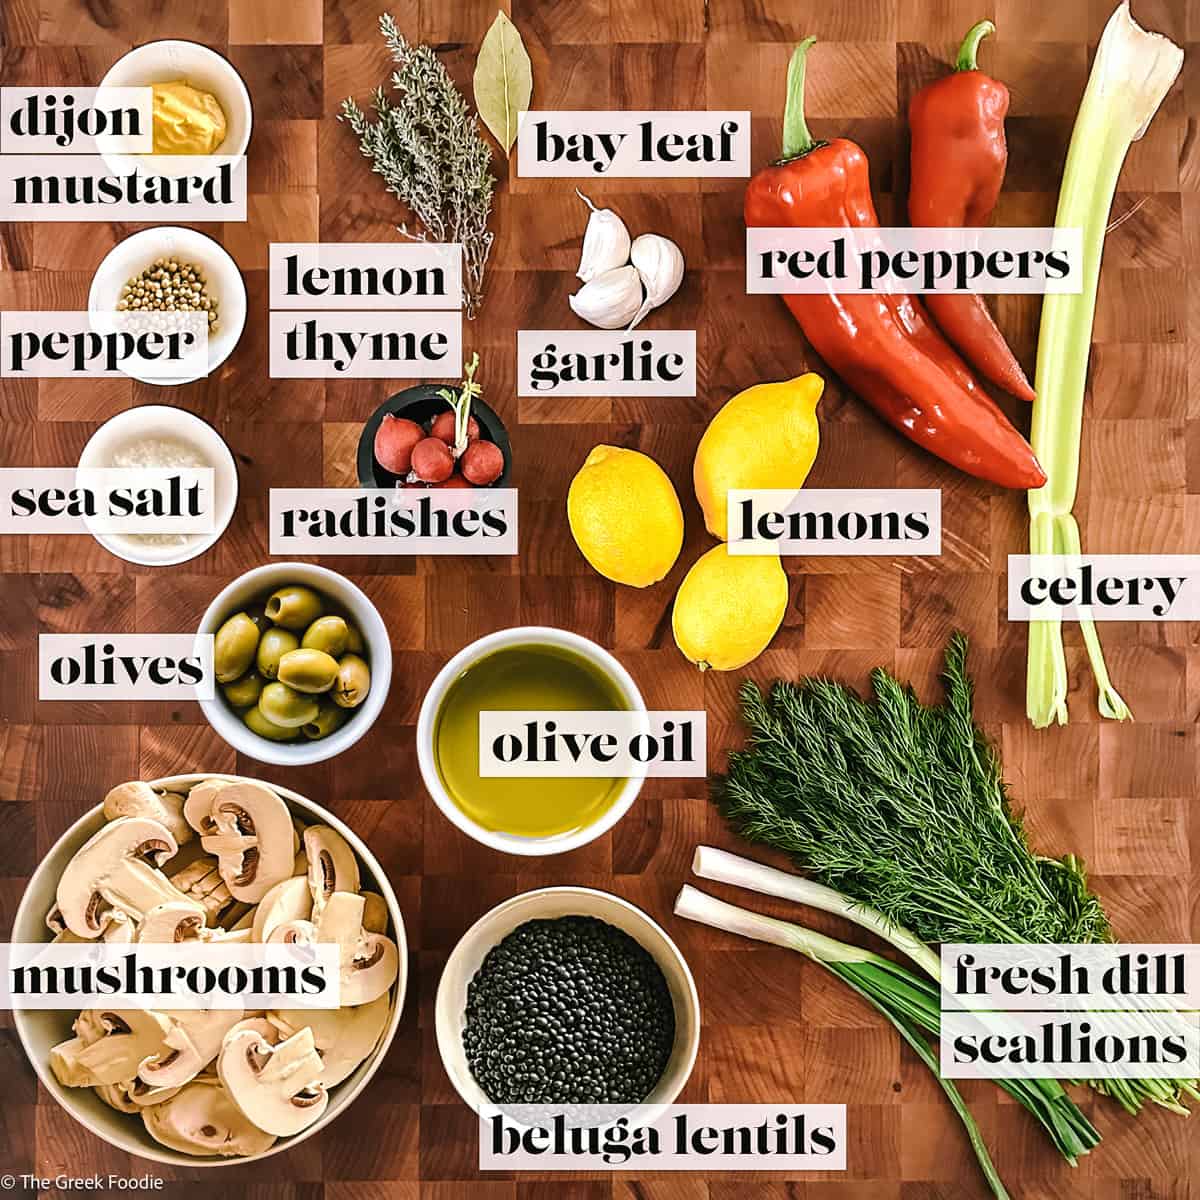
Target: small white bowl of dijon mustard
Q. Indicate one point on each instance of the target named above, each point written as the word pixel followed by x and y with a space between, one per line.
pixel 157 435
pixel 202 106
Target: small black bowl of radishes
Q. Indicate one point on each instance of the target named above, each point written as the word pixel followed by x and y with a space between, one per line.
pixel 431 436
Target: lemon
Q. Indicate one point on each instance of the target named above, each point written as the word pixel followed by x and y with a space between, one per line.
pixel 728 608
pixel 625 516
pixel 764 437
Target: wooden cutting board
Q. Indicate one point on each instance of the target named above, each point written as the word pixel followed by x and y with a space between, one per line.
pixel 774 1029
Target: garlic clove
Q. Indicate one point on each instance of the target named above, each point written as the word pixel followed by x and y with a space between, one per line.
pixel 659 262
pixel 610 300
pixel 605 242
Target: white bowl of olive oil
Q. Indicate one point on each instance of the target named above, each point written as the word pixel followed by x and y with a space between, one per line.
pixel 533 667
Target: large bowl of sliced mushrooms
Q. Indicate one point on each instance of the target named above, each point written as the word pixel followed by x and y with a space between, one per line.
pixel 209 859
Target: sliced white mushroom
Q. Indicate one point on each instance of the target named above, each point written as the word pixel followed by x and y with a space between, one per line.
pixel 138 799
pixel 129 1037
pixel 54 920
pixel 115 1096
pixel 375 913
pixel 197 808
pixel 288 900
pixel 116 868
pixel 132 1095
pixel 332 865
pixel 121 928
pixel 192 1040
pixel 253 839
pixel 344 1037
pixel 369 961
pixel 201 1119
pixel 277 1087
pixel 259 1024
pixel 201 880
pixel 184 922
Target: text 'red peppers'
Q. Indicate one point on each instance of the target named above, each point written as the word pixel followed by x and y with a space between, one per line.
pixel 883 346
pixel 959 154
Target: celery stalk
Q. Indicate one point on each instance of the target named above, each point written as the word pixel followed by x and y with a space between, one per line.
pixel 1131 75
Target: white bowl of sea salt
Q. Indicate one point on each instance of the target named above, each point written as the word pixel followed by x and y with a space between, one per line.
pixel 157 435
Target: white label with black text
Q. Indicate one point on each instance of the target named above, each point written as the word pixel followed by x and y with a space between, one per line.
pixel 86 188
pixel 68 120
pixel 125 666
pixel 592 144
pixel 607 744
pixel 56 345
pixel 365 345
pixel 1105 587
pixel 834 521
pixel 393 521
pixel 572 362
pixel 366 275
pixel 1021 260
pixel 76 500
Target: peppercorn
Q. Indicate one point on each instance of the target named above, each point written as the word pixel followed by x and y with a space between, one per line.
pixel 568 1011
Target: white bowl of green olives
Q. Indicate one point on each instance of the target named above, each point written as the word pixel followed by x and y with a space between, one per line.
pixel 302 663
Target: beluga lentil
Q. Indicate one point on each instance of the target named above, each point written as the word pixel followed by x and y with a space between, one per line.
pixel 568 1011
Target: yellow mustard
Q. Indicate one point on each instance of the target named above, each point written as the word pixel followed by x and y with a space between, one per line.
pixel 186 120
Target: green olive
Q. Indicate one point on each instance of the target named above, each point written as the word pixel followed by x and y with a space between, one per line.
pixel 308 670
pixel 283 706
pixel 274 645
pixel 294 607
pixel 259 724
pixel 353 682
pixel 234 647
pixel 244 692
pixel 354 640
pixel 328 718
pixel 327 633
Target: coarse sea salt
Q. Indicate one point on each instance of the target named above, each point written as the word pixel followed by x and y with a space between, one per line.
pixel 159 452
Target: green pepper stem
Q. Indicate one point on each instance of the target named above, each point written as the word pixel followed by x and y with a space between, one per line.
pixel 967 59
pixel 796 138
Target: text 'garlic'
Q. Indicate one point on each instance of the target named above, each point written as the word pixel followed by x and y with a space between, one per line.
pixel 609 300
pixel 659 262
pixel 605 242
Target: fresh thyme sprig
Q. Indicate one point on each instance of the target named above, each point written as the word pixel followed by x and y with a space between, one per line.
pixel 426 146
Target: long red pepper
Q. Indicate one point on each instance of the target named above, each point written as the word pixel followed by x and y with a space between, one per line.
pixel 959 154
pixel 883 346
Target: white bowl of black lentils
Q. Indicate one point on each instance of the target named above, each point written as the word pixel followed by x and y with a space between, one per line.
pixel 567 997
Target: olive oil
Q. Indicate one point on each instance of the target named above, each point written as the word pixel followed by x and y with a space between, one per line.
pixel 514 678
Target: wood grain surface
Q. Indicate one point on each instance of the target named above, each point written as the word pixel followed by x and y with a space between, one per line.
pixel 1123 796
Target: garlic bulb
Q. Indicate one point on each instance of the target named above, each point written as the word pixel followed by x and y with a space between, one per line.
pixel 659 262
pixel 605 242
pixel 610 299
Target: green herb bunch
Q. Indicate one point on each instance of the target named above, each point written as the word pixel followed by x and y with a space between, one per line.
pixel 426 146
pixel 902 807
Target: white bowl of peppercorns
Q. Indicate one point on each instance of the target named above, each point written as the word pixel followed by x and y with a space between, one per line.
pixel 172 269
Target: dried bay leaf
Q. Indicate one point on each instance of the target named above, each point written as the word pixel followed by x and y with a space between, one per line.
pixel 503 80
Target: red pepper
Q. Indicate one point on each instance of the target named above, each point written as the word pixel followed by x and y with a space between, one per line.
pixel 883 346
pixel 959 154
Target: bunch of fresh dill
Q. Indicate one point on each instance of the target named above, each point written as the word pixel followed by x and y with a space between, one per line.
pixel 902 806
pixel 426 145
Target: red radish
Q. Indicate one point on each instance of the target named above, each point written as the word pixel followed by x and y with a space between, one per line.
pixel 443 427
pixel 481 463
pixel 394 442
pixel 432 460
pixel 455 481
